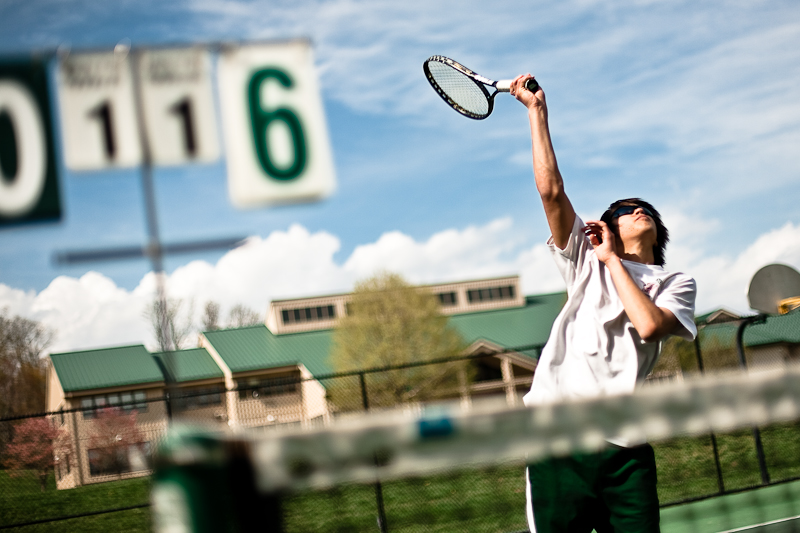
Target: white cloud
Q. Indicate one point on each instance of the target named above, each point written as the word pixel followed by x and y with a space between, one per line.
pixel 92 311
pixel 725 281
pixel 452 254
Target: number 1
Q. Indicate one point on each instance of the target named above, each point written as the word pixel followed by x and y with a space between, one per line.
pixel 183 108
pixel 103 113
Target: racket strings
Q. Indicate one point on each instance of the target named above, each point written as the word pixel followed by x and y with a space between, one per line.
pixel 460 90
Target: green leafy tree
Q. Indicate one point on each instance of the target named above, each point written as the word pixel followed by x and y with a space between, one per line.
pixel 717 351
pixel 677 356
pixel 388 323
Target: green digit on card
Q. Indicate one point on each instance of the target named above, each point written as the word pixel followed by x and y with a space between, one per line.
pixel 262 119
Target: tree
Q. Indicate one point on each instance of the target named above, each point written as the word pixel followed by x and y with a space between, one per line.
pixel 113 436
pixel 677 356
pixel 211 316
pixel 241 315
pixel 35 446
pixel 389 322
pixel 22 369
pixel 178 329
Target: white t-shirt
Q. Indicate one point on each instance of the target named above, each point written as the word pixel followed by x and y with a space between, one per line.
pixel 593 349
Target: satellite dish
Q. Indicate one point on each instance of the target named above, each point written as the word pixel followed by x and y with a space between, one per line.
pixel 774 289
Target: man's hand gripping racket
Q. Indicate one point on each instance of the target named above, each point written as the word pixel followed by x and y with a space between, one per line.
pixel 466 91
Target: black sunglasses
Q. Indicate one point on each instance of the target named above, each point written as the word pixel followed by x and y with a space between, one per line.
pixel 629 210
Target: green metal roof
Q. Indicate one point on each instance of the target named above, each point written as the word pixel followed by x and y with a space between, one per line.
pixel 108 367
pixel 776 330
pixel 189 365
pixel 516 326
pixel 255 348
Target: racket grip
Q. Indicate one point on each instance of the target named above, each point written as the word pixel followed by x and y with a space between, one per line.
pixel 532 85
pixel 504 86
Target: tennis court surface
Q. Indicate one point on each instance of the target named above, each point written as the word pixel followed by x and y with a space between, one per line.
pixel 774 509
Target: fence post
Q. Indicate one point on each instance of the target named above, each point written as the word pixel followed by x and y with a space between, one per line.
pixel 762 462
pixel 168 405
pixel 78 456
pixel 378 488
pixel 717 464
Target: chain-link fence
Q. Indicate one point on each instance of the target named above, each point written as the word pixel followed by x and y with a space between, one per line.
pixel 97 458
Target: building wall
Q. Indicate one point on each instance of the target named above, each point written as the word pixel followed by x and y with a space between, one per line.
pixel 54 393
pixel 79 428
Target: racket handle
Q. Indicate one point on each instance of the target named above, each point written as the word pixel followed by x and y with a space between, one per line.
pixel 504 86
pixel 532 85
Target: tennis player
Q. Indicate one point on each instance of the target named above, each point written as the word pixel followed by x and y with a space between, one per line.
pixel 621 303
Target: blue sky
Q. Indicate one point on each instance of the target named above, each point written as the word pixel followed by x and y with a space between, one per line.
pixel 692 106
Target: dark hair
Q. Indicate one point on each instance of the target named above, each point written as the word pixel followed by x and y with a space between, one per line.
pixel 662 234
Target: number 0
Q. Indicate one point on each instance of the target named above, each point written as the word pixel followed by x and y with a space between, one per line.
pixel 20 192
pixel 261 120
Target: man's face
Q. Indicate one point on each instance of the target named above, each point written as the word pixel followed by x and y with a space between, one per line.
pixel 634 222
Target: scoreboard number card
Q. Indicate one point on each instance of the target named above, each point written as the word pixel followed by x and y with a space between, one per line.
pixel 178 105
pixel 98 114
pixel 28 181
pixel 276 137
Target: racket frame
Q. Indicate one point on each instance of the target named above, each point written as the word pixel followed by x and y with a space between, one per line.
pixel 502 86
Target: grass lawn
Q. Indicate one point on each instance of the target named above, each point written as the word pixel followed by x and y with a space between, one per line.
pixel 488 500
pixel 686 465
pixel 22 500
pixel 477 500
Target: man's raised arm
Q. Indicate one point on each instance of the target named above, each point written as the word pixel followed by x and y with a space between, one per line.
pixel 557 207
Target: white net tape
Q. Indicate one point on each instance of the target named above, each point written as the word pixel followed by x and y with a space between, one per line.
pixel 402 443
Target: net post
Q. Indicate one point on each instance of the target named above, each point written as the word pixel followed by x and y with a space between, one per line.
pixel 378 487
pixel 762 462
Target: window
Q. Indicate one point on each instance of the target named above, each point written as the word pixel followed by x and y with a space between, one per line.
pixel 128 401
pixel 447 299
pixel 140 399
pixel 87 404
pixel 487 369
pixel 491 294
pixel 308 314
pixel 198 398
pixel 256 388
pixel 119 460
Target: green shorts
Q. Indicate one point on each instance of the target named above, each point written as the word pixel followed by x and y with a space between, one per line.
pixel 610 491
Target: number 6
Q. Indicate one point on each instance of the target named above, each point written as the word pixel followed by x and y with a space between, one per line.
pixel 261 120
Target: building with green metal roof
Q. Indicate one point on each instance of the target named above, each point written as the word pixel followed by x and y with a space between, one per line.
pixel 771 343
pixel 268 375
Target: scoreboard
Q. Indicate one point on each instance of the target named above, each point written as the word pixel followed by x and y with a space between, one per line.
pixel 257 105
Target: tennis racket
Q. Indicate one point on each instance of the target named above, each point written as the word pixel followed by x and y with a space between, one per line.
pixel 464 90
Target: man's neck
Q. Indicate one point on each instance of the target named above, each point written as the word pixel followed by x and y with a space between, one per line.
pixel 637 252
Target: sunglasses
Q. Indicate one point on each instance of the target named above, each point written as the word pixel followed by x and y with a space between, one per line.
pixel 629 210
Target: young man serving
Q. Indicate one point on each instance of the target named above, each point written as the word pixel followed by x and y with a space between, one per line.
pixel 621 303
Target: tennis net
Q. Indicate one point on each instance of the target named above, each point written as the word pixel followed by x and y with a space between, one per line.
pixel 459 449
